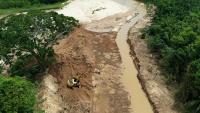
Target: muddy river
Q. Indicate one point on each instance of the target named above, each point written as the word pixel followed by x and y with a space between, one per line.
pixel 139 101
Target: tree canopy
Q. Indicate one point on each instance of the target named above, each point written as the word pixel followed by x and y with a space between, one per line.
pixel 30 36
pixel 175 35
pixel 4 4
pixel 26 42
pixel 16 95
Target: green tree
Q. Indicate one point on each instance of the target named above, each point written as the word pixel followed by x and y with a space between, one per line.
pixel 5 4
pixel 16 95
pixel 50 1
pixel 1 68
pixel 175 36
pixel 32 34
pixel 189 93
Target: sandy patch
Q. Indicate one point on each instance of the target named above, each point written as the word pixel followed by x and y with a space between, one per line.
pixel 111 23
pixel 88 10
pixel 48 96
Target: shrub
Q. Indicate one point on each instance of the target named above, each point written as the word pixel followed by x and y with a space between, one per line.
pixel 16 95
pixel 25 65
pixel 4 4
pixel 13 3
pixel 1 68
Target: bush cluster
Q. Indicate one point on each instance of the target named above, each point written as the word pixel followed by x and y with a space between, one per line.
pixel 5 4
pixel 175 36
pixel 16 95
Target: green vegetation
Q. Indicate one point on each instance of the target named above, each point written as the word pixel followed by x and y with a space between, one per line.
pixel 175 36
pixel 31 7
pixel 16 95
pixel 26 40
pixel 5 4
pixel 1 67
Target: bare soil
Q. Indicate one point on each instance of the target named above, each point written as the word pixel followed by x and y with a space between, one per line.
pixel 110 23
pixel 80 55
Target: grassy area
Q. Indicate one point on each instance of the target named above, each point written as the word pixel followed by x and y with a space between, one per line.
pixel 32 8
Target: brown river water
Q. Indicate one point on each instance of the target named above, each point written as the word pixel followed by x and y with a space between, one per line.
pixel 139 101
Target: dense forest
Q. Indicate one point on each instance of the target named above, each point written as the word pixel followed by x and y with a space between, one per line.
pixel 26 42
pixel 175 36
pixel 4 4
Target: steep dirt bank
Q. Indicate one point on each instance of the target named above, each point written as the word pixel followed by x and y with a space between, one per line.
pixel 149 74
pixel 94 57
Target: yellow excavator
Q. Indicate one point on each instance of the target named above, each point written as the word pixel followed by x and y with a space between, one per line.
pixel 73 81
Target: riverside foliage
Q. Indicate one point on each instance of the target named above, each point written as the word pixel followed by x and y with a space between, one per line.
pixel 5 4
pixel 175 35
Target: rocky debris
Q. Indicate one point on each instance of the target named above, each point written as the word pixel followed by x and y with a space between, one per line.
pixel 73 105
